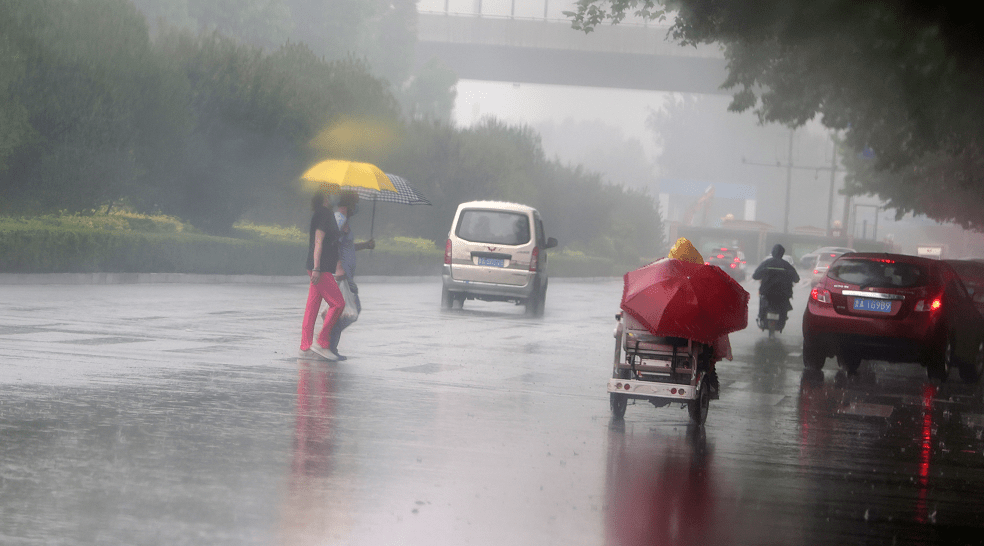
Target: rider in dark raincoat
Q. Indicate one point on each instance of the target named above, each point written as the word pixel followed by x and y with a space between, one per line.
pixel 778 277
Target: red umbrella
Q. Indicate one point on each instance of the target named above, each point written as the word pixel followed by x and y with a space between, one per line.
pixel 680 299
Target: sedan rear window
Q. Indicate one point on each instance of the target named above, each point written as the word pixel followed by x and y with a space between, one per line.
pixel 496 227
pixel 879 273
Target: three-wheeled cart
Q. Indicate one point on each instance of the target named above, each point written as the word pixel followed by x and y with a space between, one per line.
pixel 661 370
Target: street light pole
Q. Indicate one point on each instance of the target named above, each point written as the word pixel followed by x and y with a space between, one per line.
pixel 789 182
pixel 789 178
pixel 830 198
pixel 864 234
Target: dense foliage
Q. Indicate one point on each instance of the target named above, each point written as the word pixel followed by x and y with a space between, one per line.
pixel 902 81
pixel 95 115
pixel 199 126
pixel 493 160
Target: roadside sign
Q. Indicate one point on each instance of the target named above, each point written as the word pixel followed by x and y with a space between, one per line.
pixel 930 251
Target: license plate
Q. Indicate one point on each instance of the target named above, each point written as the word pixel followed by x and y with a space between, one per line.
pixel 772 316
pixel 491 262
pixel 865 304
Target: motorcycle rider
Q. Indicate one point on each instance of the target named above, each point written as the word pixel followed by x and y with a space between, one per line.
pixel 778 277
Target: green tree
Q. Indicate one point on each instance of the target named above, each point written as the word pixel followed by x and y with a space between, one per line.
pixel 494 160
pixel 253 116
pixel 16 131
pixel 431 92
pixel 903 81
pixel 382 32
pixel 88 81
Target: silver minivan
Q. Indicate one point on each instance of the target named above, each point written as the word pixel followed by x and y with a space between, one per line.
pixel 496 251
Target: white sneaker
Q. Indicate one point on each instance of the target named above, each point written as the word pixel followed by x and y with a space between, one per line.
pixel 309 354
pixel 327 354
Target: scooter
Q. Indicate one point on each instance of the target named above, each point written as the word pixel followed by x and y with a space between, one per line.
pixel 775 316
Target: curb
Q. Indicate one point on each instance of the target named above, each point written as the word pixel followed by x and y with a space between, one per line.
pixel 190 278
pixel 178 278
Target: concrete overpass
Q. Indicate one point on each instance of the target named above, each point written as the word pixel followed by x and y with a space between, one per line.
pixel 544 51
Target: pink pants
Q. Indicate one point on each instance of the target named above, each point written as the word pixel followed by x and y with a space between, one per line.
pixel 326 289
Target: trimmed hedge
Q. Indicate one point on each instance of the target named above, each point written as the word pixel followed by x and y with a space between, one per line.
pixel 72 246
pixel 58 250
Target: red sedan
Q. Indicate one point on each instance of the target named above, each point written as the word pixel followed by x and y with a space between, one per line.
pixel 894 308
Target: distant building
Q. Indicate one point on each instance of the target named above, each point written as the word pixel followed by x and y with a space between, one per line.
pixel 690 202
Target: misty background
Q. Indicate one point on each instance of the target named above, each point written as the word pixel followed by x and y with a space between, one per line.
pixel 209 110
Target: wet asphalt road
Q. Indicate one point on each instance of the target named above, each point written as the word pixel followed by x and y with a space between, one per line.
pixel 179 414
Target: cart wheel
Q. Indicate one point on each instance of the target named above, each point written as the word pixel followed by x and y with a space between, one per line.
pixel 698 408
pixel 618 402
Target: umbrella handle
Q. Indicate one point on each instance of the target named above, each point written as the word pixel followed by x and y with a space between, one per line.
pixel 372 223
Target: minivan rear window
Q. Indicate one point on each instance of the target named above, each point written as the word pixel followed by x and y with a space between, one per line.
pixel 495 227
pixel 881 273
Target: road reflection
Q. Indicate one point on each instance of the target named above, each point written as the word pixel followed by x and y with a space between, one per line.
pixel 925 452
pixel 867 439
pixel 663 490
pixel 769 353
pixel 314 509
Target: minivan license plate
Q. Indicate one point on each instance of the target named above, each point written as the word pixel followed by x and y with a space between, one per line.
pixel 491 262
pixel 865 304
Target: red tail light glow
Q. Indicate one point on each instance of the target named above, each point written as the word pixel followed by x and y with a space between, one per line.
pixel 534 257
pixel 447 252
pixel 820 295
pixel 816 271
pixel 929 305
pixel 734 266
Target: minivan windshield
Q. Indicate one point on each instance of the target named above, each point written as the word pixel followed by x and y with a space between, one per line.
pixel 884 273
pixel 496 227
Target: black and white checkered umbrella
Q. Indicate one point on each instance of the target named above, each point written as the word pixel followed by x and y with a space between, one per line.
pixel 404 194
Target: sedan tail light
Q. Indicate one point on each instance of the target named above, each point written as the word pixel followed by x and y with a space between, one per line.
pixel 929 305
pixel 447 252
pixel 820 295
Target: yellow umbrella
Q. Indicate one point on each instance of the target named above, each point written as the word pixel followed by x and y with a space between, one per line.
pixel 349 174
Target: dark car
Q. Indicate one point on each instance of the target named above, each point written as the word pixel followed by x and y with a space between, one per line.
pixel 971 272
pixel 894 308
pixel 729 259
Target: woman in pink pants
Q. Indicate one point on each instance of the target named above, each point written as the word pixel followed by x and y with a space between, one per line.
pixel 322 258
